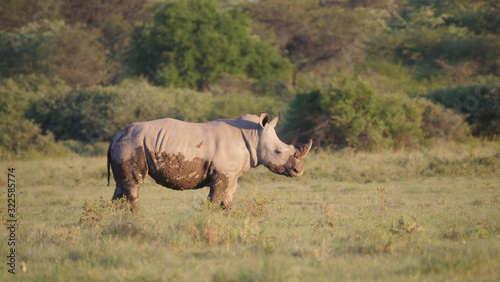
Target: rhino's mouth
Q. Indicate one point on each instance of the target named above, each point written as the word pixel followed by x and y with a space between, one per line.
pixel 294 172
pixel 292 168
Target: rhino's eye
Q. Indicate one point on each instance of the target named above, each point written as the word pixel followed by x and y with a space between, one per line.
pixel 277 151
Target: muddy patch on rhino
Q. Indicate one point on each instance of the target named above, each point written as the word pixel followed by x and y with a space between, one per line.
pixel 292 168
pixel 174 171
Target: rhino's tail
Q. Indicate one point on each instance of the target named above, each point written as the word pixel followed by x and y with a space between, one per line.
pixel 109 157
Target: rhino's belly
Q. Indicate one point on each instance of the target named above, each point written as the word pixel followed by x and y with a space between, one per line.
pixel 174 171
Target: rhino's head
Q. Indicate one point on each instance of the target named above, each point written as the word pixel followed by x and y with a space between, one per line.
pixel 277 156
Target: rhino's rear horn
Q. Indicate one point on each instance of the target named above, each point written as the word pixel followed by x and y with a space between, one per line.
pixel 303 150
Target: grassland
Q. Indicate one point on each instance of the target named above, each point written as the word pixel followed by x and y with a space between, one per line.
pixel 429 215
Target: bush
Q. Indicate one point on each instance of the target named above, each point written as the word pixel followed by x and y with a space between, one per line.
pixel 98 113
pixel 343 115
pixel 76 114
pixel 479 104
pixel 16 94
pixel 22 138
pixel 349 113
pixel 441 123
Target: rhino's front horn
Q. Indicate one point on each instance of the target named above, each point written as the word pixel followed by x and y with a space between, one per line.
pixel 303 150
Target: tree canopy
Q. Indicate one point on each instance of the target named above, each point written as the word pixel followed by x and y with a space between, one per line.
pixel 190 43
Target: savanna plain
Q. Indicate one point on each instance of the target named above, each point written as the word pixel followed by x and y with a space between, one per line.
pixel 426 215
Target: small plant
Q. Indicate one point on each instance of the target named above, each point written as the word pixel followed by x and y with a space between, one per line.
pixel 327 215
pixel 286 204
pixel 487 185
pixel 451 233
pixel 96 212
pixel 361 213
pixel 381 193
pixel 259 204
pixel 217 232
pixel 405 228
pixel 495 201
pixel 269 244
pixel 209 206
pixel 484 230
pixel 127 225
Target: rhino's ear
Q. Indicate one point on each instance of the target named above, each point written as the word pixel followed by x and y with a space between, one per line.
pixel 264 119
pixel 275 120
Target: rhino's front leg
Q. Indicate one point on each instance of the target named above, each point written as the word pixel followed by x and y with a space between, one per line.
pixel 222 190
pixel 228 195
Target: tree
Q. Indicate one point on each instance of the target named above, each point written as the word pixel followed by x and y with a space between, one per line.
pixel 457 38
pixel 313 32
pixel 75 55
pixel 72 53
pixel 115 19
pixel 192 42
pixel 15 14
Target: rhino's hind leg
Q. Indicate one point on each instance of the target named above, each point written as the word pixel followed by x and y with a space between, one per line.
pixel 131 194
pixel 128 182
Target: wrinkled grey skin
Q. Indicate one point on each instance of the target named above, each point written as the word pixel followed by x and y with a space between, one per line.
pixel 182 155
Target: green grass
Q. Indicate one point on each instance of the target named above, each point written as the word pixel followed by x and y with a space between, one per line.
pixel 393 216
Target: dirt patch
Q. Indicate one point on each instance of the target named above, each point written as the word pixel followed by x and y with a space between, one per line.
pixel 174 171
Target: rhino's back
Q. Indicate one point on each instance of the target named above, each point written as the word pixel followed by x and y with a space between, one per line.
pixel 191 139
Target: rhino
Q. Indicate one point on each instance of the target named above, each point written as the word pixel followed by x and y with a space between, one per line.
pixel 182 155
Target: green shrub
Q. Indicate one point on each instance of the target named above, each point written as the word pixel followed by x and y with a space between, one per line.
pixel 479 104
pixel 441 123
pixel 17 92
pixel 97 114
pixel 22 138
pixel 349 113
pixel 76 114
